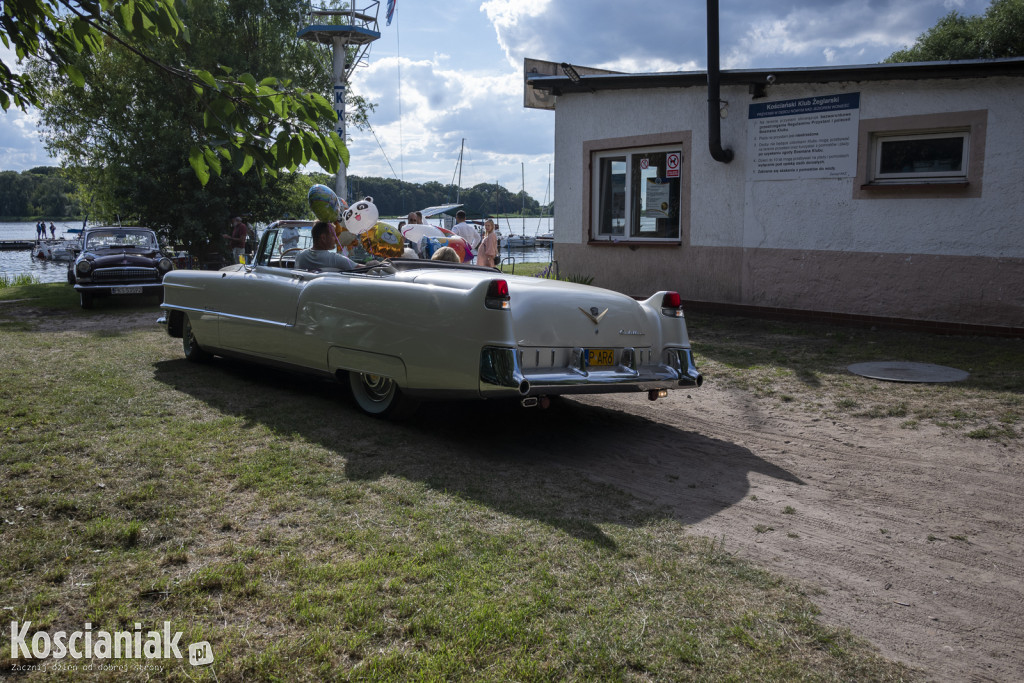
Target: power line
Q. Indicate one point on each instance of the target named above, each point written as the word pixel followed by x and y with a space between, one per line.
pixel 370 126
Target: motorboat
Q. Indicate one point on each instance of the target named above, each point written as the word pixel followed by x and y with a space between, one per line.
pixel 520 241
pixel 57 250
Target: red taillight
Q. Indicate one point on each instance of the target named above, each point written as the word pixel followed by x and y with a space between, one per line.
pixel 672 304
pixel 497 288
pixel 497 295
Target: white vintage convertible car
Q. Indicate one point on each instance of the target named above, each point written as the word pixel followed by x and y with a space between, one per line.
pixel 411 329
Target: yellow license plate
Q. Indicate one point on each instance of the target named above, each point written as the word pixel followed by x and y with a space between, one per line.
pixel 598 357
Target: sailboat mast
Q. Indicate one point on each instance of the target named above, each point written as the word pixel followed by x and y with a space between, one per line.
pixel 522 168
pixel 544 206
pixel 458 188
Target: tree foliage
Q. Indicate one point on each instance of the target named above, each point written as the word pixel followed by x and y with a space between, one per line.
pixel 998 33
pixel 129 139
pixel 41 192
pixel 264 122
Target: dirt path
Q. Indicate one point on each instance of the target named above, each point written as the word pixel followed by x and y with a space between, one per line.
pixel 911 538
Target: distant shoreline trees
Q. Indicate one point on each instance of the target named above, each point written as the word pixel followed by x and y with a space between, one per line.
pixel 41 192
pixel 46 192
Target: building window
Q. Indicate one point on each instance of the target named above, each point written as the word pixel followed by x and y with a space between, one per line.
pixel 927 157
pixel 636 194
pixel 921 156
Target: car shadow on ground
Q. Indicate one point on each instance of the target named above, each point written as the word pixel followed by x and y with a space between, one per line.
pixel 574 466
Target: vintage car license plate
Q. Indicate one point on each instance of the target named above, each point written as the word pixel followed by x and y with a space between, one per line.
pixel 599 357
pixel 126 290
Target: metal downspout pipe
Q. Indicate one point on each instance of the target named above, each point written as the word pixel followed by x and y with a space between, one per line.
pixel 714 90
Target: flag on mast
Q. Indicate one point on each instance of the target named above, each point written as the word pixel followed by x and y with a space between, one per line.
pixel 391 11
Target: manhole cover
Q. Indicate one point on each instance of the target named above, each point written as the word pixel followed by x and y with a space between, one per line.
pixel 900 371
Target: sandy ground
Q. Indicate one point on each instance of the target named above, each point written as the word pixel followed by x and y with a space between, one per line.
pixel 912 539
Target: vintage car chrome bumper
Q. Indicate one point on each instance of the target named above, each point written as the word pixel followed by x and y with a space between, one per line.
pixel 502 373
pixel 110 288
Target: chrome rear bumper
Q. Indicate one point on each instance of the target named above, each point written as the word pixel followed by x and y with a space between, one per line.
pixel 502 374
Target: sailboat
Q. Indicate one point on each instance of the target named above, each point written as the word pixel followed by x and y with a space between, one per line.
pixel 547 238
pixel 522 241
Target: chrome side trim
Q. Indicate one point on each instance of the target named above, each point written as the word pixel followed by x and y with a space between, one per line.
pixel 226 315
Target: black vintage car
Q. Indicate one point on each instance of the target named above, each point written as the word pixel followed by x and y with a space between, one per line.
pixel 117 261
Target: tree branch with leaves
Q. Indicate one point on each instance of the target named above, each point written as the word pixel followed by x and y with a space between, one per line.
pixel 267 125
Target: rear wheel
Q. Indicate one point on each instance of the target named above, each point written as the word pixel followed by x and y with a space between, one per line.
pixel 190 346
pixel 380 396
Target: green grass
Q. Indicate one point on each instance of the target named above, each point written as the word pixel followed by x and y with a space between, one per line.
pixel 804 367
pixel 262 512
pixel 527 269
pixel 17 281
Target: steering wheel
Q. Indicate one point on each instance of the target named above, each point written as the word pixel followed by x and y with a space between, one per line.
pixel 286 251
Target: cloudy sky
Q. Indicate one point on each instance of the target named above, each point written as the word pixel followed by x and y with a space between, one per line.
pixel 441 76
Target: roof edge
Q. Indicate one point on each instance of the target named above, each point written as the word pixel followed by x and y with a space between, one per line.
pixel 971 68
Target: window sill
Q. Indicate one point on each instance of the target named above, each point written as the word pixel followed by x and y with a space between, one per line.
pixel 954 190
pixel 633 244
pixel 936 186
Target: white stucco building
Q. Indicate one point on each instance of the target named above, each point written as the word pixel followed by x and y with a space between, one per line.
pixel 892 192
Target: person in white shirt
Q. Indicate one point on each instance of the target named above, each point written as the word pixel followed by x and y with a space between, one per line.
pixel 289 238
pixel 465 230
pixel 322 255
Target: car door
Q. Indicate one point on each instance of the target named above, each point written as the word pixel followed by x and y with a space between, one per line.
pixel 258 312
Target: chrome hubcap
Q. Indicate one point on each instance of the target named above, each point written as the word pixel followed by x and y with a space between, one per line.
pixel 378 388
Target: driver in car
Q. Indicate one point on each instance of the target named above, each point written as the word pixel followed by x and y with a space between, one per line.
pixel 322 255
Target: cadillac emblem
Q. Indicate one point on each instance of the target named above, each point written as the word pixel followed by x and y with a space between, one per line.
pixel 594 315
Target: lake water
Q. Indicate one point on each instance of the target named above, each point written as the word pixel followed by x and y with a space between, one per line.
pixel 19 261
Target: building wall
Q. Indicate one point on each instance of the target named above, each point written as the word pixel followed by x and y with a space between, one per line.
pixel 813 244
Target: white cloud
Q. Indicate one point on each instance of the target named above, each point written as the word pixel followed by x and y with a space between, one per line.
pixel 21 148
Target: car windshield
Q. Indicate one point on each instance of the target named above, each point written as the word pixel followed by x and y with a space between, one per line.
pixel 115 238
pixel 286 240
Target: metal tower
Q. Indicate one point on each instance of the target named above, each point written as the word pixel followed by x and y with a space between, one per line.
pixel 340 28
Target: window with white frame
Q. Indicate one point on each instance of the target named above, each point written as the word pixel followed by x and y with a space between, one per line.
pixel 636 194
pixel 921 157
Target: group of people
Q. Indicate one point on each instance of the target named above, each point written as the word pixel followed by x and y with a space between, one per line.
pixel 484 246
pixel 323 254
pixel 41 230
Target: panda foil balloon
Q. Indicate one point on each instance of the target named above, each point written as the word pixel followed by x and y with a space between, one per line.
pixel 361 216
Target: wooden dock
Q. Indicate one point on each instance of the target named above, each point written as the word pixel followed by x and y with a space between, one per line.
pixel 11 245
